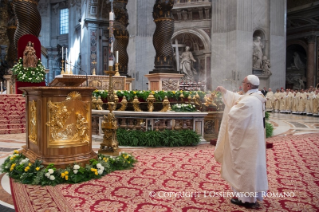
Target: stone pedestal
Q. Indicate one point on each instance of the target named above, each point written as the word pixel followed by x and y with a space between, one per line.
pixel 163 81
pixel 58 128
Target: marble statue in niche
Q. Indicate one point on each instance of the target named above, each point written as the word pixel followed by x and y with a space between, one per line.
pixel 297 63
pixel 186 64
pixel 257 53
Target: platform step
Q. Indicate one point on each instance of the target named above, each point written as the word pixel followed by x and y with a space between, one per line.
pixel 12 131
pixel 12 121
pixel 11 126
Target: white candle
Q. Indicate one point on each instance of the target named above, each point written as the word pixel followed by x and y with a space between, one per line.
pixel 117 56
pixel 62 52
pixel 111 16
pixel 110 62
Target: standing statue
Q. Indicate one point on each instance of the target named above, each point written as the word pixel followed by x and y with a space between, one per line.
pixel 257 53
pixel 29 57
pixel 186 64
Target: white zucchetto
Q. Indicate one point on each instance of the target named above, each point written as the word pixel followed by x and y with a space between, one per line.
pixel 254 80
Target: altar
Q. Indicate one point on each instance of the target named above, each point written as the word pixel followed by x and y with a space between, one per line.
pixel 58 127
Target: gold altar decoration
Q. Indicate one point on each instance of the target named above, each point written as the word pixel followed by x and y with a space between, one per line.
pixel 196 100
pixel 182 97
pixel 150 102
pixel 99 103
pixel 210 101
pixel 94 102
pixel 68 125
pixel 33 121
pixel 166 105
pixel 116 100
pixel 109 124
pixel 123 104
pixel 136 104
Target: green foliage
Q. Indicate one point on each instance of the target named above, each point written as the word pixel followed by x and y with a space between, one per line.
pixel 159 95
pixel 22 170
pixel 267 115
pixel 34 75
pixel 157 138
pixel 269 129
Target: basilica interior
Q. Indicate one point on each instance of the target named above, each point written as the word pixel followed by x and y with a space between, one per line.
pixel 109 65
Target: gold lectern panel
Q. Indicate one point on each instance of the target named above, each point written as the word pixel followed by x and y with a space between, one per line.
pixel 68 122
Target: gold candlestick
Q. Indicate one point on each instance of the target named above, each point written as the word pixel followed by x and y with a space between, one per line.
pixel 62 71
pixel 93 72
pixel 66 67
pixel 117 70
pixel 71 68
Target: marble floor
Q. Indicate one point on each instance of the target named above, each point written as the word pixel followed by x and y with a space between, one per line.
pixel 284 124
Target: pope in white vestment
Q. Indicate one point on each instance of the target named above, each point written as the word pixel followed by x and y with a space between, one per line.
pixel 241 146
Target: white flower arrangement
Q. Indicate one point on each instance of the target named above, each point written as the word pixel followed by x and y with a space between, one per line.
pixel 30 74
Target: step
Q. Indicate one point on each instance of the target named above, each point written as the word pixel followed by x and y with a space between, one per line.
pixel 12 126
pixel 15 107
pixel 12 121
pixel 13 117
pixel 12 131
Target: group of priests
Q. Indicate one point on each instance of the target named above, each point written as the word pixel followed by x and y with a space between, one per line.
pixel 303 102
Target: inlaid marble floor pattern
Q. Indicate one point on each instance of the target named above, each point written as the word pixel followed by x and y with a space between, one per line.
pixel 284 124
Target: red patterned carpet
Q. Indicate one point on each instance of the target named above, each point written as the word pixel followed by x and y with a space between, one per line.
pixel 292 167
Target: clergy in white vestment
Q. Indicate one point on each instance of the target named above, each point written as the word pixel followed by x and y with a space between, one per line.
pixel 269 103
pixel 241 146
pixel 276 98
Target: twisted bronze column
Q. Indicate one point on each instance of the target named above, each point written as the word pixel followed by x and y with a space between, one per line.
pixel 11 28
pixel 28 17
pixel 121 34
pixel 164 20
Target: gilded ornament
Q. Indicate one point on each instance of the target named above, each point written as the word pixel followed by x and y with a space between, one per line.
pixel 116 100
pixel 94 103
pixel 33 121
pixel 123 104
pixel 150 102
pixel 136 105
pixel 166 105
pixel 182 97
pixel 99 103
pixel 68 122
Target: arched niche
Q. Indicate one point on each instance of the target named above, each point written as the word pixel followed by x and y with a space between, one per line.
pixel 199 43
pixel 296 66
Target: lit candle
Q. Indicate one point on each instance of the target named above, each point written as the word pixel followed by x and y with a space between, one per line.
pixel 110 62
pixel 111 16
pixel 117 56
pixel 62 52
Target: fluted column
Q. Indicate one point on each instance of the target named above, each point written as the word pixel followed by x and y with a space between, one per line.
pixel 121 34
pixel 28 17
pixel 11 28
pixel 164 20
pixel 311 61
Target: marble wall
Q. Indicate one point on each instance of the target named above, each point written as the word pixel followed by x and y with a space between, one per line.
pixel 140 49
pixel 233 25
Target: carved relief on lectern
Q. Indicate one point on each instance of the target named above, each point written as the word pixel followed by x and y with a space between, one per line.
pixel 33 121
pixel 68 125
